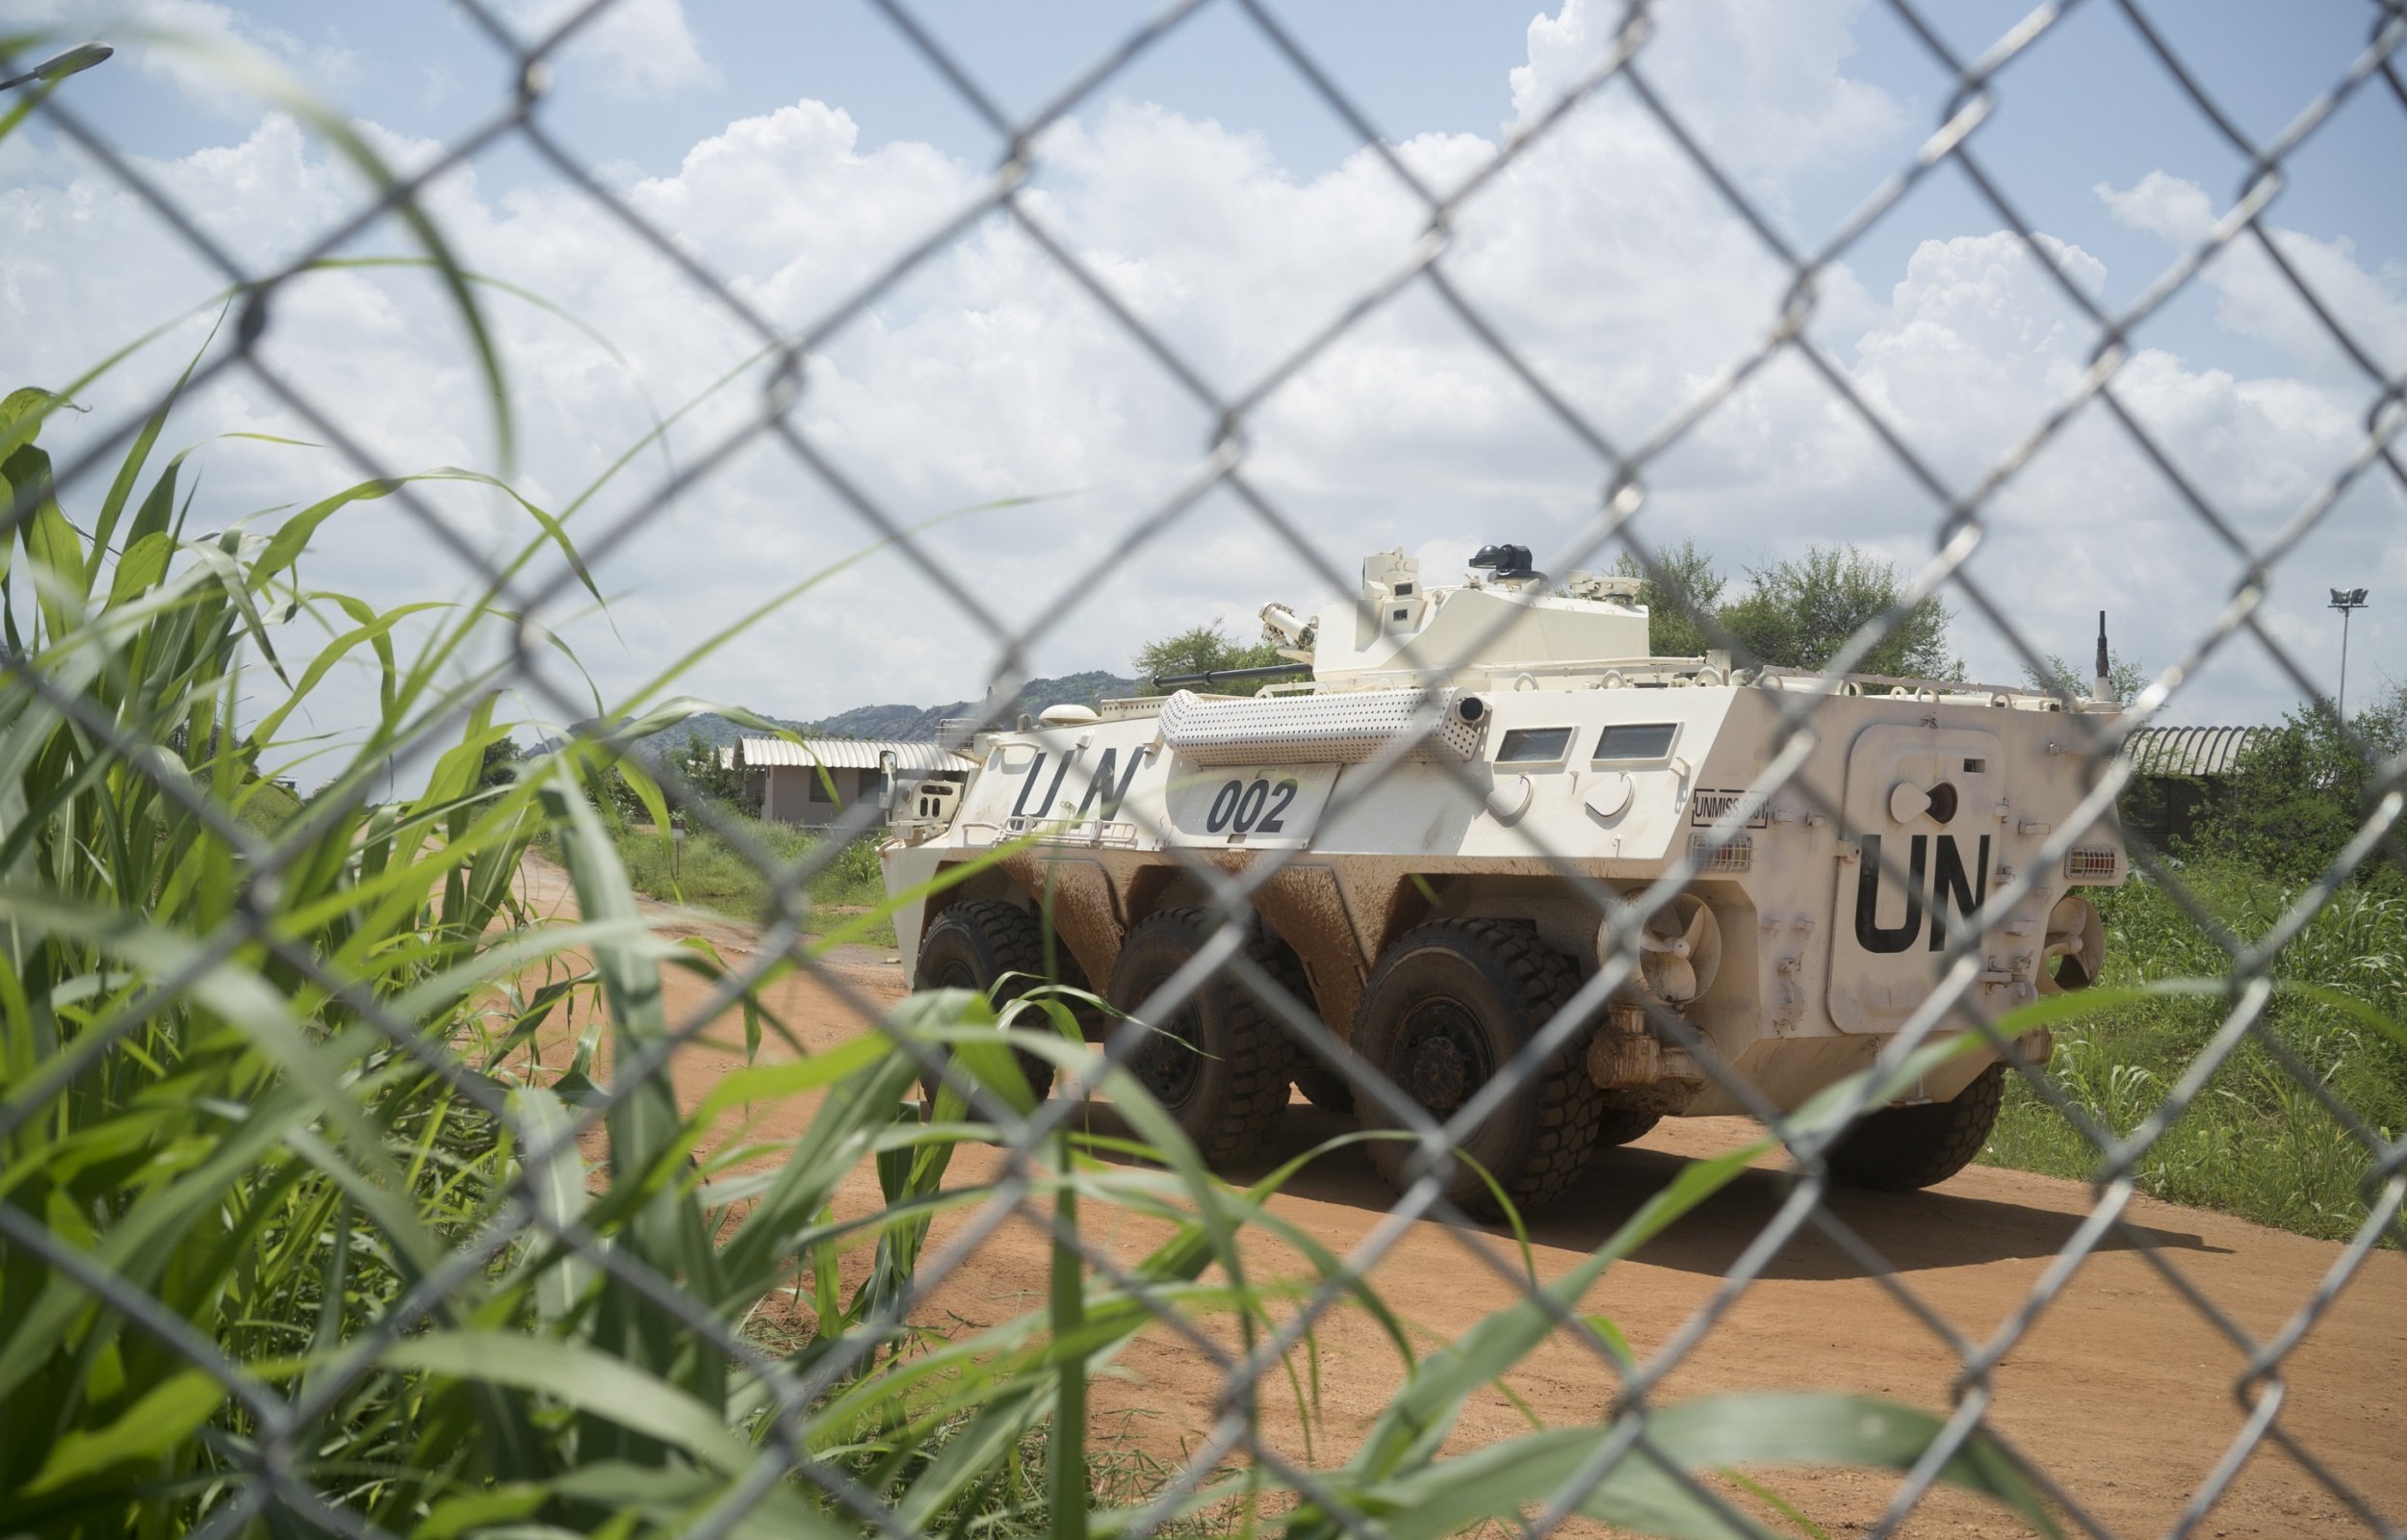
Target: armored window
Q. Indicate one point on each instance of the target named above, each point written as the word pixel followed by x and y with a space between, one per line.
pixel 1639 740
pixel 1404 590
pixel 1534 746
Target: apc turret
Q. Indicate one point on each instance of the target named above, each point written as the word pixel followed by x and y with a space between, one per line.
pixel 1504 621
pixel 1456 787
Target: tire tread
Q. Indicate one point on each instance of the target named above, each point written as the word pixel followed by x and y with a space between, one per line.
pixel 1261 1055
pixel 1014 939
pixel 1619 1125
pixel 1569 1110
pixel 1900 1148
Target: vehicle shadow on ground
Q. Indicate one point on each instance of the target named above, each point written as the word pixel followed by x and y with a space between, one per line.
pixel 1910 1231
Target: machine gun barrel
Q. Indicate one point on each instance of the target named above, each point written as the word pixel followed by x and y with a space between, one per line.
pixel 1229 676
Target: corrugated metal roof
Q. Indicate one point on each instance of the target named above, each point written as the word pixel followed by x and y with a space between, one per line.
pixel 2189 751
pixel 845 753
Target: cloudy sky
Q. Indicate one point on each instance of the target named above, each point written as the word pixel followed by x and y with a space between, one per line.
pixel 795 151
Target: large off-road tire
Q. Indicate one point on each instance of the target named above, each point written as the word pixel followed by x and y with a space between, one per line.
pixel 1899 1149
pixel 1220 1065
pixel 1445 1010
pixel 1619 1125
pixel 998 950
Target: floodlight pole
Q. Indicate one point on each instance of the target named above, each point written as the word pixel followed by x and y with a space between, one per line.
pixel 2347 600
pixel 2345 611
pixel 58 66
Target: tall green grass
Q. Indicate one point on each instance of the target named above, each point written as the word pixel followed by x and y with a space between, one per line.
pixel 2257 1142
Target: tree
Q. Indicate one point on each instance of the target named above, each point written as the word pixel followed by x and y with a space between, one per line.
pixel 2127 677
pixel 1799 613
pixel 501 764
pixel 702 769
pixel 1683 587
pixel 2301 792
pixel 1203 649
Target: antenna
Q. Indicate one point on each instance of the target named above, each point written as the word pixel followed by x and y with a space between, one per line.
pixel 2102 683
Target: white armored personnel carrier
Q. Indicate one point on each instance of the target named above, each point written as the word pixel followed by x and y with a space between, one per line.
pixel 1425 903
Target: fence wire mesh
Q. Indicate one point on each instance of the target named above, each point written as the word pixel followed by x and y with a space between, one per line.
pixel 270 1394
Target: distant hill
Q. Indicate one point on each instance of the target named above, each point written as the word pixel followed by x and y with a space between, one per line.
pixel 907 724
pixel 913 724
pixel 712 728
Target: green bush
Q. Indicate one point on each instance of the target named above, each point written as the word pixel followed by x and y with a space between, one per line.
pixel 267 808
pixel 705 869
pixel 2301 793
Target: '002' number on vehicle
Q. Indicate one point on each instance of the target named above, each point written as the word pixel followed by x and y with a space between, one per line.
pixel 1247 806
pixel 1269 805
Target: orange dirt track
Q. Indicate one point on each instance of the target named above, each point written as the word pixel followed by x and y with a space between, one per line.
pixel 2121 1391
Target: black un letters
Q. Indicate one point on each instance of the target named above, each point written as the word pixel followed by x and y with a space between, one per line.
pixel 1102 786
pixel 1950 883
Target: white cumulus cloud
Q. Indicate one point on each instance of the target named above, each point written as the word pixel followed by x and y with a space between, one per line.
pixel 635 48
pixel 986 375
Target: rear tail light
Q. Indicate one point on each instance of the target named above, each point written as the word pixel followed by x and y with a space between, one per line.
pixel 2090 862
pixel 1737 855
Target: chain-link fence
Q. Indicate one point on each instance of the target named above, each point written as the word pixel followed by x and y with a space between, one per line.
pixel 532 1280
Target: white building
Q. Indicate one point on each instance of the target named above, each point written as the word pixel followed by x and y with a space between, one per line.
pixel 815 781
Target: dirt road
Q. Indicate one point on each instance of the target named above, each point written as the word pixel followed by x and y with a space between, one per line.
pixel 2121 1391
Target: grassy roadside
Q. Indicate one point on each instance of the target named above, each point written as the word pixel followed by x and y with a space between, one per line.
pixel 2255 1142
pixel 705 871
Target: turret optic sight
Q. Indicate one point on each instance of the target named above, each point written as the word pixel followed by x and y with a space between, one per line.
pixel 1505 561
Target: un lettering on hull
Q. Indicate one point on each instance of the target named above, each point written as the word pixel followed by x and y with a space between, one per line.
pixel 1920 841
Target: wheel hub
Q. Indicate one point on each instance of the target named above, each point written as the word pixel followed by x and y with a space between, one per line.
pixel 1439 1074
pixel 1444 1057
pixel 1169 1065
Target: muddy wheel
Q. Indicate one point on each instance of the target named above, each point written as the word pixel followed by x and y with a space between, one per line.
pixel 1322 1086
pixel 1219 1064
pixel 981 945
pixel 1899 1149
pixel 1447 1008
pixel 1619 1125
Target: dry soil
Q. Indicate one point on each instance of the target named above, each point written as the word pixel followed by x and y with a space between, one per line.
pixel 2120 1389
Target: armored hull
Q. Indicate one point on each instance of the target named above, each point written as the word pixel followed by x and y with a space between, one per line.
pixel 1516 807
